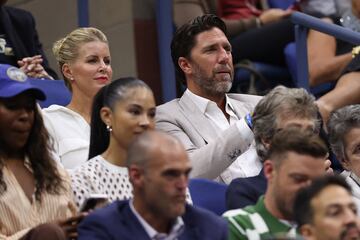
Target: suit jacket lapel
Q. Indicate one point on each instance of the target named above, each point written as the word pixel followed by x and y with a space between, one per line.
pixel 201 124
pixel 243 103
pixel 191 229
pixel 132 224
pixel 18 47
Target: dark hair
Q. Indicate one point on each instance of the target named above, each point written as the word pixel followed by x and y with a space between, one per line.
pixel 303 212
pixel 37 149
pixel 298 141
pixel 107 97
pixel 184 38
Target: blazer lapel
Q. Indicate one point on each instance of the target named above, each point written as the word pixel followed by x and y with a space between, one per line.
pixel 191 229
pixel 243 103
pixel 132 225
pixel 201 124
pixel 191 232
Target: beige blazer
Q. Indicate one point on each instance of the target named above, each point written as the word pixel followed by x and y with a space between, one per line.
pixel 210 153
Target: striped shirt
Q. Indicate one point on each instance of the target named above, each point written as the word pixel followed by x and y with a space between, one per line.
pixel 19 215
pixel 255 223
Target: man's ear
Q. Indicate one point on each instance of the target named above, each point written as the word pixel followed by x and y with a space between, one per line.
pixel 185 65
pixel 106 116
pixel 269 169
pixel 307 231
pixel 136 175
pixel 66 70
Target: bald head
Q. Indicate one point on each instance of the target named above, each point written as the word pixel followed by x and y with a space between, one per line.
pixel 159 172
pixel 145 145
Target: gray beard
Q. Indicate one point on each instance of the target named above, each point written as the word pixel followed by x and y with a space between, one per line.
pixel 211 87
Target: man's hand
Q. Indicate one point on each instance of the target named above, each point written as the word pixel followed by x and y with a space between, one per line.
pixel 274 15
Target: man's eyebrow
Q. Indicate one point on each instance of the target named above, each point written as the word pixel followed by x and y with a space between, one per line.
pixel 209 46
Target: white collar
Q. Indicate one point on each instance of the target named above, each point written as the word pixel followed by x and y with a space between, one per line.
pixel 176 229
pixel 203 103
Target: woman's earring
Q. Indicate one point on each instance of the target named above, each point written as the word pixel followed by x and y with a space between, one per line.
pixel 108 128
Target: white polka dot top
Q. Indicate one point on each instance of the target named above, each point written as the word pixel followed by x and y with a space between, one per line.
pixel 99 176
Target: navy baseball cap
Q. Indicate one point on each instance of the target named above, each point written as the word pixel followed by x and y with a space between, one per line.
pixel 13 81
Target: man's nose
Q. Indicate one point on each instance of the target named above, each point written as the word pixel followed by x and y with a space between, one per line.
pixel 350 218
pixel 183 181
pixel 225 56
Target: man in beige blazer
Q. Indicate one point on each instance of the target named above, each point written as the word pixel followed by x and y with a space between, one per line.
pixel 215 127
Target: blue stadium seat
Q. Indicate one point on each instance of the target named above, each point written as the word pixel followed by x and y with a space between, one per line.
pixel 208 194
pixel 55 90
pixel 291 61
pixel 283 4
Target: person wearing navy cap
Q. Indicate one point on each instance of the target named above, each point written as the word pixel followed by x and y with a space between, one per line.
pixel 35 194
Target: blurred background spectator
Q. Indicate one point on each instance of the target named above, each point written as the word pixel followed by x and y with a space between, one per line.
pixel 19 43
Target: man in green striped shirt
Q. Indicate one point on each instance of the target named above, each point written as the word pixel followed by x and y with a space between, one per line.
pixel 295 158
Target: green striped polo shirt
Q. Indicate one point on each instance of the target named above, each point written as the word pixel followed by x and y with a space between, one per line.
pixel 255 222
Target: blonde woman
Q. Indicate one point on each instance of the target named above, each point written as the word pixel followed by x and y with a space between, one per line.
pixel 84 60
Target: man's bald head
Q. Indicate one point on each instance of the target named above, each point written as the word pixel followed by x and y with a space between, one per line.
pixel 142 148
pixel 159 170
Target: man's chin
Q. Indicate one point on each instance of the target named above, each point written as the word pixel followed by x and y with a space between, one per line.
pixel 223 87
pixel 178 210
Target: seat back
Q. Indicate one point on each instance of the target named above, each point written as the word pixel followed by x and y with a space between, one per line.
pixel 283 4
pixel 208 194
pixel 55 90
pixel 291 61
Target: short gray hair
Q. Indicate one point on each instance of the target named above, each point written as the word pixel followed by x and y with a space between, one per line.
pixel 281 100
pixel 340 123
pixel 140 148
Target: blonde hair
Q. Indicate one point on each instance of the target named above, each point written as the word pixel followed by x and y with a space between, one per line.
pixel 66 50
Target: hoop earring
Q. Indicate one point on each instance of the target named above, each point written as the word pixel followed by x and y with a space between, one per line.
pixel 108 128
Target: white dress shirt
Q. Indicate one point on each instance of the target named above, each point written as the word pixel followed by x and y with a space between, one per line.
pixel 248 163
pixel 71 135
pixel 176 229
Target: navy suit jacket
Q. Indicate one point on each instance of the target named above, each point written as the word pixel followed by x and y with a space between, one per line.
pixel 19 26
pixel 117 221
pixel 245 191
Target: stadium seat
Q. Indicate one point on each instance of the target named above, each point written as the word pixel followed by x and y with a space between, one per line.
pixel 283 4
pixel 208 194
pixel 55 90
pixel 291 61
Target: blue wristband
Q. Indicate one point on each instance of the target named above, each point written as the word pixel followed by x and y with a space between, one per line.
pixel 248 120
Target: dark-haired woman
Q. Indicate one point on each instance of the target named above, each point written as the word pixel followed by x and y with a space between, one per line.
pixel 35 194
pixel 121 110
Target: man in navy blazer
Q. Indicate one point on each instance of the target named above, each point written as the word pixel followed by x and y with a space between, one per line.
pixel 158 168
pixel 19 39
